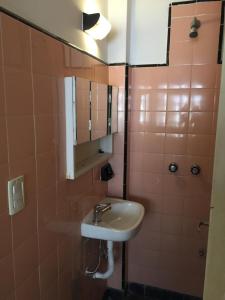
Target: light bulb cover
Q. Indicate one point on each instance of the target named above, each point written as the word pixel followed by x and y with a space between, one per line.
pixel 96 25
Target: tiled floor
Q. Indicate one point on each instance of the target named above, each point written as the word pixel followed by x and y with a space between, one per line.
pixel 140 292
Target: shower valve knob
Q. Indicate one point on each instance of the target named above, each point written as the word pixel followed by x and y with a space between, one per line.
pixel 195 170
pixel 173 167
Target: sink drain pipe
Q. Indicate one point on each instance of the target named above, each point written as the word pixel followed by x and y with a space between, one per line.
pixel 110 268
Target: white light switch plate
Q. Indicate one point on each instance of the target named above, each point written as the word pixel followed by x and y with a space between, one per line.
pixel 16 195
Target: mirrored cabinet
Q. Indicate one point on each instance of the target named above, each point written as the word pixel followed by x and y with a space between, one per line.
pixel 91 119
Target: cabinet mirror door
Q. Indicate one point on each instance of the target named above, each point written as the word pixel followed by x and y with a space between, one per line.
pixel 114 110
pixel 82 110
pixel 99 104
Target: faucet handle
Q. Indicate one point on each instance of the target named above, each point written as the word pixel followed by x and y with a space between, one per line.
pixel 102 205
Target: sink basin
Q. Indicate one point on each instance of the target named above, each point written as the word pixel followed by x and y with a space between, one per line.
pixel 121 223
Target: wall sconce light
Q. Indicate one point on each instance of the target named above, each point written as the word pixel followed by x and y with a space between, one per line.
pixel 96 25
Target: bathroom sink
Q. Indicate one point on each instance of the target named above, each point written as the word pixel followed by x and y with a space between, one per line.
pixel 121 223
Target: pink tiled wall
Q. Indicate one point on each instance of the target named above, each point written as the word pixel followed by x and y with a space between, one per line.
pixel 172 118
pixel 42 255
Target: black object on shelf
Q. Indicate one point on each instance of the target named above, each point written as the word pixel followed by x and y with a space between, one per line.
pixel 107 172
pixel 173 167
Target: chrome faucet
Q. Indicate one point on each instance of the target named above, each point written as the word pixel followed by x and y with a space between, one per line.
pixel 99 210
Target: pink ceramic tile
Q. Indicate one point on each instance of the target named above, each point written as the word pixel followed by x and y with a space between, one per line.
pixel 139 99
pixel 197 207
pixel 29 288
pixel 46 138
pixel 137 121
pixel 47 205
pixel 199 144
pixel 218 76
pixel 203 52
pixel 153 142
pixel 151 202
pixel 214 125
pixel 171 224
pixel 199 187
pixel 189 228
pixel 47 237
pixel 211 7
pixel 3 141
pixel 121 121
pixel 153 223
pixel 175 185
pixel 202 100
pixel 149 78
pixel 43 62
pixel 2 100
pixel 176 122
pixel 178 100
pixel 181 53
pixel 176 143
pixel 217 99
pixel 152 239
pixel 136 162
pixel 26 259
pixel 147 258
pixel 135 184
pixel 4 177
pixel 186 10
pixel 118 143
pixel 115 186
pixel 121 100
pixel 46 170
pixel 101 73
pixel 180 29
pixel 156 101
pixel 19 94
pixel 136 141
pixel 5 234
pixel 48 271
pixel 6 276
pixel 16 43
pixel 20 137
pixel 203 76
pixel 45 94
pixel 201 122
pixel 65 255
pixel 1 56
pixel 155 122
pixel 152 163
pixel 152 183
pixel 171 244
pixel 173 205
pixel 117 75
pixel 179 77
pixel 64 283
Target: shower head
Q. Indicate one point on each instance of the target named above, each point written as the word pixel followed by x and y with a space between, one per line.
pixel 195 24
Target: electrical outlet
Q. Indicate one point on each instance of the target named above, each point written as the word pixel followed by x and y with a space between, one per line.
pixel 16 195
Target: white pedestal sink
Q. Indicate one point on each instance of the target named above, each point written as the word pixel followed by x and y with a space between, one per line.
pixel 119 224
